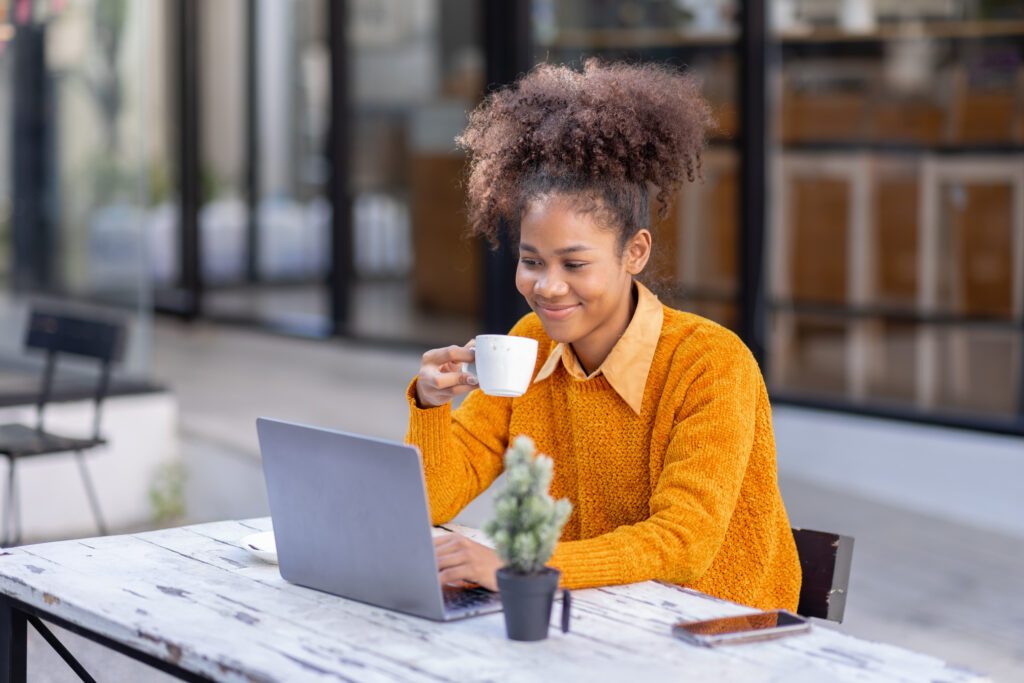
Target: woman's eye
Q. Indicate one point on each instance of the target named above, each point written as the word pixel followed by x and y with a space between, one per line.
pixel 527 261
pixel 574 265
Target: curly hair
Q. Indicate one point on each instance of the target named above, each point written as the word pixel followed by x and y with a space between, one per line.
pixel 597 137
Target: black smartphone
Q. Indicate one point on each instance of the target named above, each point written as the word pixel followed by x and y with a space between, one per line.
pixel 741 629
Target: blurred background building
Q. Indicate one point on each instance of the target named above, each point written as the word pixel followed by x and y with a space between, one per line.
pixel 289 165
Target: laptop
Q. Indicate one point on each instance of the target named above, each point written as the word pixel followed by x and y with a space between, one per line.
pixel 350 517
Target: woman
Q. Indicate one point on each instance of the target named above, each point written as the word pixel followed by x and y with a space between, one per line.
pixel 657 420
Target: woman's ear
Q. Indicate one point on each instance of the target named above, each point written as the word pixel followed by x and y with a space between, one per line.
pixel 638 251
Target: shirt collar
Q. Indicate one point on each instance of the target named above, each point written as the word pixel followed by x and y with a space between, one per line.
pixel 629 362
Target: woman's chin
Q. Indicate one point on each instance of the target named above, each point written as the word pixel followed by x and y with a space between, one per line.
pixel 559 333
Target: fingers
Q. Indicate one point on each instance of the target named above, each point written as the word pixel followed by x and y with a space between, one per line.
pixel 441 377
pixel 447 544
pixel 456 365
pixel 435 388
pixel 456 565
pixel 449 354
pixel 454 380
pixel 456 576
pixel 460 559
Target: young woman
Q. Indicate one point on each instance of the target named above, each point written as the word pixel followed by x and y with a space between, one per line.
pixel 657 420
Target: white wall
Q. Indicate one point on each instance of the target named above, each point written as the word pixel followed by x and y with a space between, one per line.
pixel 966 476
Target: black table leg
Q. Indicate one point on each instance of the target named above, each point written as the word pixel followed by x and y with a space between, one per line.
pixel 12 643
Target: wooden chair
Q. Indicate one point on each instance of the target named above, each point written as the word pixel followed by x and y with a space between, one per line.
pixel 825 561
pixel 55 334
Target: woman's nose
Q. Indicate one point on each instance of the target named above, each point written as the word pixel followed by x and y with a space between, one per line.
pixel 549 285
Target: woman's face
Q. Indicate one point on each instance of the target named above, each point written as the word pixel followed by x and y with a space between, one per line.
pixel 575 278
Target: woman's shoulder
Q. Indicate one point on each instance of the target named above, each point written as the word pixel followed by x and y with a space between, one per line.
pixel 688 335
pixel 697 352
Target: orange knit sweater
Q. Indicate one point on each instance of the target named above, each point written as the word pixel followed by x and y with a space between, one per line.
pixel 685 492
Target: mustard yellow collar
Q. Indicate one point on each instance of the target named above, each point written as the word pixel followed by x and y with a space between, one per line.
pixel 629 362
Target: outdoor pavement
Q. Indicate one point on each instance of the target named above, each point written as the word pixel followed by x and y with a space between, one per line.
pixel 950 590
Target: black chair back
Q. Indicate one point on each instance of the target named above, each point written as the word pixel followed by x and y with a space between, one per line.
pixel 825 560
pixel 57 333
pixel 97 339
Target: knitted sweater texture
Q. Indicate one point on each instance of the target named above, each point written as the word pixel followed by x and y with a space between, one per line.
pixel 684 492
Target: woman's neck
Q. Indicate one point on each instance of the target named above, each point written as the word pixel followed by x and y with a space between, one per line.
pixel 591 352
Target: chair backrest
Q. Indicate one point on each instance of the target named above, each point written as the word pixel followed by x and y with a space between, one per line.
pixel 57 333
pixel 825 560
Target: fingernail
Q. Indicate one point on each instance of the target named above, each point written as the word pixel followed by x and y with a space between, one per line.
pixel 471 380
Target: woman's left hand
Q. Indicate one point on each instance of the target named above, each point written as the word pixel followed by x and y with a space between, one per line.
pixel 460 559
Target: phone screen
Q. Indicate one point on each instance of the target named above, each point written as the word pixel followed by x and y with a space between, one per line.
pixel 741 624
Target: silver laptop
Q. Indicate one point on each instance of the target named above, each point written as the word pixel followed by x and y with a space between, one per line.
pixel 350 517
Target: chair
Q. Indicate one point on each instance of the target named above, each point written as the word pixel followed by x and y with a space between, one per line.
pixel 825 561
pixel 55 334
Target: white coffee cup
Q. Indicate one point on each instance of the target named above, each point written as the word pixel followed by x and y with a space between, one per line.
pixel 504 364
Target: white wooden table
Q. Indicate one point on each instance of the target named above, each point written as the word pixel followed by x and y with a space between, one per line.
pixel 192 601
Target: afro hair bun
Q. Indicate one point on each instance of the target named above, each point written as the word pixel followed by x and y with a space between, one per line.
pixel 611 123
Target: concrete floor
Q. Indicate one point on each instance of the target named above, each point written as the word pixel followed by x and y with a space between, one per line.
pixel 930 585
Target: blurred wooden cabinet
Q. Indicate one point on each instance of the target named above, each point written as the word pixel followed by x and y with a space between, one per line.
pixel 696 246
pixel 972 265
pixel 939 236
pixel 836 101
pixel 985 116
pixel 897 198
pixel 447 271
pixel 820 259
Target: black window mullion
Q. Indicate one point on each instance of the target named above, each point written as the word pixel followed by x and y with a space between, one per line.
pixel 338 155
pixel 753 210
pixel 508 54
pixel 188 148
pixel 252 142
pixel 33 233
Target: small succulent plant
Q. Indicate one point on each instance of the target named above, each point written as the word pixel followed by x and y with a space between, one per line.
pixel 527 520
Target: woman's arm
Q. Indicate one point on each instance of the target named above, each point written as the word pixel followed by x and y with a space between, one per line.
pixel 697 491
pixel 462 450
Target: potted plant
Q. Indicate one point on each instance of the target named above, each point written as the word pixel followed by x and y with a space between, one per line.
pixel 525 529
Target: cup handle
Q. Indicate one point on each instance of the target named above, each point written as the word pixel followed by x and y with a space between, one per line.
pixel 470 368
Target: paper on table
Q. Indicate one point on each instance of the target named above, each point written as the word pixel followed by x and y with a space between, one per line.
pixel 261 545
pixel 469 532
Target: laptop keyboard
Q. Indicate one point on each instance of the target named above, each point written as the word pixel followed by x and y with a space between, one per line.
pixel 464 598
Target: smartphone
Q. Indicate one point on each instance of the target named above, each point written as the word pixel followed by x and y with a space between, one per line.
pixel 741 629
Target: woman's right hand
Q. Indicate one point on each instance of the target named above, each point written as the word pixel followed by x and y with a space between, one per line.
pixel 441 377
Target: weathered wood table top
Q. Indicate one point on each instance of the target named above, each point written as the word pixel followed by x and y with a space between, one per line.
pixel 193 597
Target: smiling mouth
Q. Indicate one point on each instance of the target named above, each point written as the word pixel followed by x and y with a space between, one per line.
pixel 556 312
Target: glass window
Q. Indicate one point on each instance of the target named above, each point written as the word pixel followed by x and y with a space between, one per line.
pixel 76 118
pixel 264 217
pixel 417 69
pixel 897 230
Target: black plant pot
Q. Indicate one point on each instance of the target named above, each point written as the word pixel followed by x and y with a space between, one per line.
pixel 526 600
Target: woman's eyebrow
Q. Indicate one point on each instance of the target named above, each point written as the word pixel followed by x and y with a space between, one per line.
pixel 563 250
